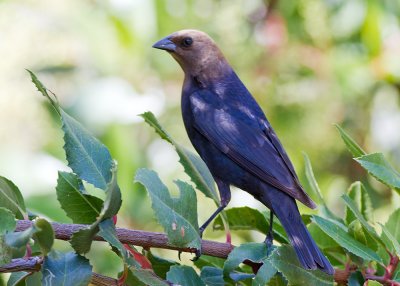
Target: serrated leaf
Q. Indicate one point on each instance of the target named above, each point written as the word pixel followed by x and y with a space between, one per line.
pixel 194 166
pixel 393 240
pixel 80 207
pixel 255 252
pixel 184 275
pixel 358 231
pixel 108 232
pixel 148 277
pixel 82 239
pixel 323 240
pixel 340 235
pixel 178 216
pixel 352 146
pixel 43 90
pixel 212 276
pixel 323 208
pixel 11 198
pixel 359 195
pixel 7 221
pixel 285 260
pixel 245 218
pixel 264 274
pixel 277 280
pixel 86 155
pixel 393 227
pixel 353 208
pixel 44 235
pixel 377 165
pixel 69 269
pixel 160 265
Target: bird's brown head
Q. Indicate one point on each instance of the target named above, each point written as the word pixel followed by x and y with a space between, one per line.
pixel 195 51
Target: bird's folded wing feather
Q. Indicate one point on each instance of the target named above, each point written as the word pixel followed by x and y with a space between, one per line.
pixel 248 145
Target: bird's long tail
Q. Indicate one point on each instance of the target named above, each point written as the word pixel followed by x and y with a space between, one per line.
pixel 307 251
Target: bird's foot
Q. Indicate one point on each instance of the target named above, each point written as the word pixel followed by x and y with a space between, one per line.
pixel 269 240
pixel 197 255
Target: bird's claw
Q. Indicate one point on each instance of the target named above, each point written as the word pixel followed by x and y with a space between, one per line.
pixel 179 255
pixel 197 256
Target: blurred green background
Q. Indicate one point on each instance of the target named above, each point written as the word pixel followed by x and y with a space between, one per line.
pixel 309 63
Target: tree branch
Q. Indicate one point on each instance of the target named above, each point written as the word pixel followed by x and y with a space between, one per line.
pixel 137 237
pixel 33 264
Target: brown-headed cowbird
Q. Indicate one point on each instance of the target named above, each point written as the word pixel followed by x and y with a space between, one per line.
pixel 233 136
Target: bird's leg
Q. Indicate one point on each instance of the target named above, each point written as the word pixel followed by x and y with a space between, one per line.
pixel 225 194
pixel 270 235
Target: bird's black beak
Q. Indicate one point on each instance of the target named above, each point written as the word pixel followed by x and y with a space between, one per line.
pixel 165 44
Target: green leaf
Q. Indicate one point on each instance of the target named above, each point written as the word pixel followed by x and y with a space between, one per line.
pixel 212 276
pixel 43 90
pixel 160 265
pixel 393 240
pixel 178 216
pixel 339 233
pixel 5 251
pixel 264 274
pixel 377 165
pixel 206 260
pixel 285 260
pixel 277 280
pixel 393 227
pixel 86 155
pixel 7 221
pixel 374 283
pixel 255 252
pixel 362 201
pixel 323 240
pixel 148 277
pixel 359 232
pixel 184 275
pixel 353 147
pixel 11 198
pixel 356 279
pixel 25 279
pixel 323 208
pixel 80 207
pixel 44 235
pixel 107 231
pixel 20 239
pixel 353 208
pixel 193 165
pixel 82 239
pixel 69 269
pixel 245 218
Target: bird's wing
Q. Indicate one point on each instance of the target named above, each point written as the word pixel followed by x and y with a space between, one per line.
pixel 251 146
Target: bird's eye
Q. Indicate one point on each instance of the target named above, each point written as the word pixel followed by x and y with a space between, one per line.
pixel 187 42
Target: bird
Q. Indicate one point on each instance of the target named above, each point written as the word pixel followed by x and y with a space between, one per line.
pixel 234 138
